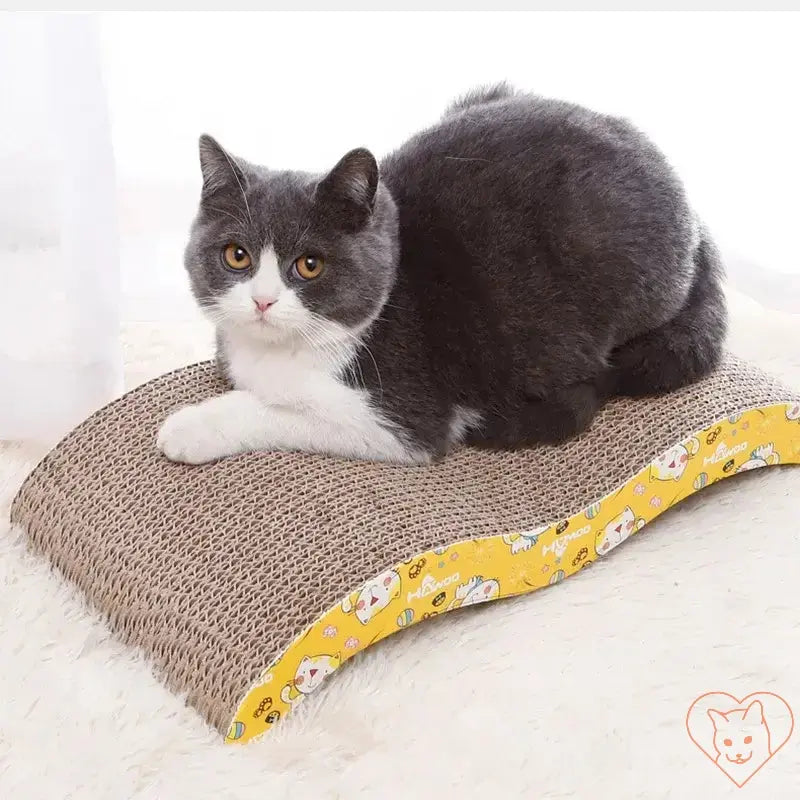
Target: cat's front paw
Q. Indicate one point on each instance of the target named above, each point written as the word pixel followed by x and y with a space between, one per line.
pixel 191 435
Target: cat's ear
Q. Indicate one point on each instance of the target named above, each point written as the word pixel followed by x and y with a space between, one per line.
pixel 349 188
pixel 220 169
pixel 754 713
pixel 718 718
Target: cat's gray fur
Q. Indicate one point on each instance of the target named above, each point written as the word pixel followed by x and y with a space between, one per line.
pixel 523 259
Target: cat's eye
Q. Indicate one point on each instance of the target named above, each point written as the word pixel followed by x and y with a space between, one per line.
pixel 727 742
pixel 308 267
pixel 748 739
pixel 236 257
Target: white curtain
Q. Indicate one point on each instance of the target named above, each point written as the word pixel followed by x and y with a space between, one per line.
pixel 59 261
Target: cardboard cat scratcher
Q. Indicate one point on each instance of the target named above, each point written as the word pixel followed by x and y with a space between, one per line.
pixel 248 581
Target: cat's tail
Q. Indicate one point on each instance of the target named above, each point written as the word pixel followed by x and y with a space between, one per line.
pixel 480 96
pixel 687 347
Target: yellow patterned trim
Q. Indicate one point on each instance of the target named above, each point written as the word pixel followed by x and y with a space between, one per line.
pixel 476 570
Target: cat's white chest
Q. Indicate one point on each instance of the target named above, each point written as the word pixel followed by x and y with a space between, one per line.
pixel 279 375
pixel 305 406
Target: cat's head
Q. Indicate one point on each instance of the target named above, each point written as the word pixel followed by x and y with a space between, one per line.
pixel 741 735
pixel 312 670
pixel 280 256
pixel 671 465
pixel 376 595
pixel 616 532
pixel 760 457
pixel 481 592
pixel 754 462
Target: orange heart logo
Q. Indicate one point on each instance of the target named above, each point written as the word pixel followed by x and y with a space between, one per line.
pixel 740 736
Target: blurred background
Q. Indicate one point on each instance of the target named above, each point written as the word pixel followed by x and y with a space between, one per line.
pixel 98 146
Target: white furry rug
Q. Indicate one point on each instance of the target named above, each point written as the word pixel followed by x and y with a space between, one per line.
pixel 578 691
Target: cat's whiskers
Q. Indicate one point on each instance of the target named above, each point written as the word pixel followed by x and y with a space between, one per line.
pixel 346 368
pixel 360 343
pixel 319 338
pixel 323 337
pixel 241 188
pixel 302 326
pixel 319 348
pixel 392 305
pixel 300 236
pixel 322 329
pixel 214 316
pixel 213 313
pixel 238 219
pixel 337 348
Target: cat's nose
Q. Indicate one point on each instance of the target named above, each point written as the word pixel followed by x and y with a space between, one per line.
pixel 263 303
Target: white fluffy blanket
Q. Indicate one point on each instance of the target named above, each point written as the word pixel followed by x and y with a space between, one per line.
pixel 578 691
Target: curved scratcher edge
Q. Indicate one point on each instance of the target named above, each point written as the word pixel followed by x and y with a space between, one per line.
pixel 477 570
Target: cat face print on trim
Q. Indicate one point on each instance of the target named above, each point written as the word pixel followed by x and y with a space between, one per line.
pixel 520 542
pixel 310 673
pixel 373 597
pixel 760 457
pixel 671 465
pixel 617 531
pixel 476 590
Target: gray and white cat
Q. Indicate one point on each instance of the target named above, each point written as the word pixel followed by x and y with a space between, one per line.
pixel 497 279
